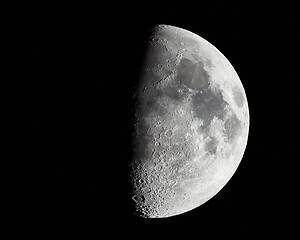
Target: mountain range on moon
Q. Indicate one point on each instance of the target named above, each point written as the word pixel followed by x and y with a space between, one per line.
pixel 191 124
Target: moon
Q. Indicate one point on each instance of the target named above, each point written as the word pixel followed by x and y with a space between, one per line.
pixel 191 124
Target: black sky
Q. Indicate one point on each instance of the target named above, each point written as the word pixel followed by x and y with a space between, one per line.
pixel 87 66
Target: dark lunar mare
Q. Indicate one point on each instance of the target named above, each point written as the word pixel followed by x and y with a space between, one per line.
pixel 206 103
pixel 232 126
pixel 238 96
pixel 192 75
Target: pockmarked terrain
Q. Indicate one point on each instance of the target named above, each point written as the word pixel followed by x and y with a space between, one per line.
pixel 191 124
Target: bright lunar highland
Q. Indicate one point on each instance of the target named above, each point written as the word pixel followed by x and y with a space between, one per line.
pixel 191 124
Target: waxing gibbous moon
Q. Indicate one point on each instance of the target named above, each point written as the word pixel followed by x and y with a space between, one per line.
pixel 191 124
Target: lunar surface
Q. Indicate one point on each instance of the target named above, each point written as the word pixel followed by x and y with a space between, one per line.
pixel 191 124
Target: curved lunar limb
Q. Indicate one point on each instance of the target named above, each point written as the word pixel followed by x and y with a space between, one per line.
pixel 192 124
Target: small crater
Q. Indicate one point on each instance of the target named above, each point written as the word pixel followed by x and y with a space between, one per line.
pixel 169 133
pixel 158 167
